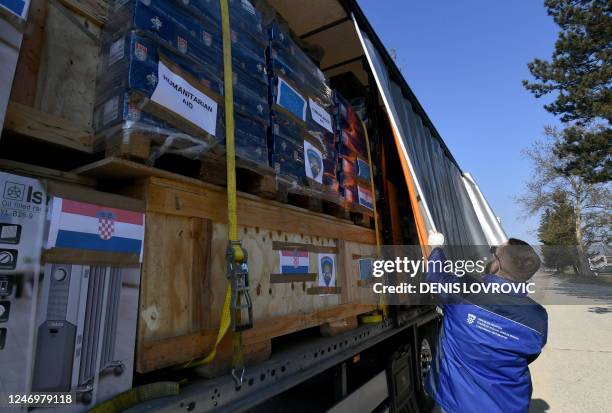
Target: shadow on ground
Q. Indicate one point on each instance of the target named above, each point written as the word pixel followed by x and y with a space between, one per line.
pixel 538 406
pixel 600 310
pixel 580 287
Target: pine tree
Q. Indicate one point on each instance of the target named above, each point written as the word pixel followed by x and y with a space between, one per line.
pixel 579 75
pixel 557 233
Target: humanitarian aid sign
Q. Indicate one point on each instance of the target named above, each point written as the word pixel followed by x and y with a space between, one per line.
pixel 320 115
pixel 181 97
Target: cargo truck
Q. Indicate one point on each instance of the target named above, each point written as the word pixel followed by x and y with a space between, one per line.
pixel 309 345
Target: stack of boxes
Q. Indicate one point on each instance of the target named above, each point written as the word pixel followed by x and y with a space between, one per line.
pixel 251 109
pixel 161 76
pixel 158 75
pixel 354 168
pixel 302 140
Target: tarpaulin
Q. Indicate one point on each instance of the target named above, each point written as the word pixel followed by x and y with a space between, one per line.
pixel 443 202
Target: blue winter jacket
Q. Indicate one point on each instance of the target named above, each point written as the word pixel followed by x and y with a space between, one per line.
pixel 485 346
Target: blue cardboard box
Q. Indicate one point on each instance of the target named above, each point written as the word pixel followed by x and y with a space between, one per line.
pixel 135 72
pixel 171 25
pixel 251 139
pixel 131 62
pixel 244 18
pixel 251 98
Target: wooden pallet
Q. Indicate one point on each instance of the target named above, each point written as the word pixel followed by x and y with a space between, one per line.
pixel 257 341
pixel 210 166
pixel 313 197
pixel 187 237
pixel 251 177
pixel 361 215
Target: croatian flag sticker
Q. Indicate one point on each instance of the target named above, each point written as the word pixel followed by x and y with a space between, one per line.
pixel 294 262
pixel 80 225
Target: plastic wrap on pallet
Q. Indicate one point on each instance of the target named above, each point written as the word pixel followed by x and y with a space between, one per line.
pixel 251 97
pixel 244 17
pixel 132 101
pixel 286 95
pixel 132 62
pixel 196 36
pixel 122 120
pixel 287 159
pixel 353 166
pixel 358 193
pixel 300 157
pixel 252 63
pixel 170 25
pixel 251 139
pixel 287 147
pixel 289 52
pixel 320 123
pixel 350 129
pixel 301 76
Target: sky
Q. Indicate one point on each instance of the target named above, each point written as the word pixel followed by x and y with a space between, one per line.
pixel 465 61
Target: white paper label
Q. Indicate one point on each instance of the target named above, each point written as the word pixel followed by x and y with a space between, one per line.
pixel 320 115
pixel 313 162
pixel 110 111
pixel 116 51
pixel 178 95
pixel 23 218
pixel 327 270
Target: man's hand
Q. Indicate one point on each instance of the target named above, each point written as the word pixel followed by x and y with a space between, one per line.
pixel 435 239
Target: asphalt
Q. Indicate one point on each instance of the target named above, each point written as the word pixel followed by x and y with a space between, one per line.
pixel 574 372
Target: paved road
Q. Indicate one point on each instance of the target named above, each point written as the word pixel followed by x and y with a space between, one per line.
pixel 574 372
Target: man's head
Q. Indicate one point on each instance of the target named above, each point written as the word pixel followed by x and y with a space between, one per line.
pixel 515 260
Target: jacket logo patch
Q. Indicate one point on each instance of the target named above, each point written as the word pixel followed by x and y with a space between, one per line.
pixel 471 318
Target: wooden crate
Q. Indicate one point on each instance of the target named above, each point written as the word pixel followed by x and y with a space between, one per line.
pixel 184 281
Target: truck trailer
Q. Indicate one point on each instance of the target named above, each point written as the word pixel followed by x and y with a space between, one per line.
pixel 176 191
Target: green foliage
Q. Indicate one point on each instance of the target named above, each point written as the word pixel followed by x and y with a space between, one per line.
pixel 579 76
pixel 586 153
pixel 557 233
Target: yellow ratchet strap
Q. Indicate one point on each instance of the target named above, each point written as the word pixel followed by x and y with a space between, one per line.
pixel 232 215
pixel 382 306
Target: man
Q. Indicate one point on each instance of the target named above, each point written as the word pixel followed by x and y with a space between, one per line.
pixel 487 341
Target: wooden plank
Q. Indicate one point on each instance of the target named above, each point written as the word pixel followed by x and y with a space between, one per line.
pixel 278 245
pixel 36 124
pixel 93 10
pixel 334 328
pixel 280 326
pixel 87 257
pixel 200 277
pixel 209 201
pixel 161 353
pixel 166 300
pixel 181 195
pixel 124 170
pixel 292 278
pixel 21 168
pixel 69 60
pixel 320 290
pixel 26 75
pixel 76 193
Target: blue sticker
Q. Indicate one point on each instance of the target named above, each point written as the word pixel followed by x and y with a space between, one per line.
pixel 365 268
pixel 290 99
pixel 363 170
pixel 15 6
